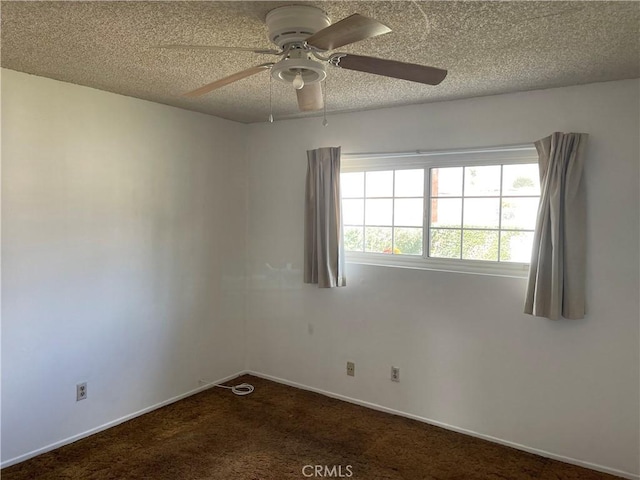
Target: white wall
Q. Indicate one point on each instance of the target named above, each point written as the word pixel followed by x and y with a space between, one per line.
pixel 124 244
pixel 468 356
pixel 123 226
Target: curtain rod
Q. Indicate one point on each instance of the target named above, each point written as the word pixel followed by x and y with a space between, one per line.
pixel 426 153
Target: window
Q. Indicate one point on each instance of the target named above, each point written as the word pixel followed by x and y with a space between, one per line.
pixel 465 211
pixel 383 211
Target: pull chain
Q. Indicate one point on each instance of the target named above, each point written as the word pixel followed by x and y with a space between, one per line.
pixel 270 98
pixel 324 102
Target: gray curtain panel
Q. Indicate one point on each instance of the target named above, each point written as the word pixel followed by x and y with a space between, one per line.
pixel 557 272
pixel 323 247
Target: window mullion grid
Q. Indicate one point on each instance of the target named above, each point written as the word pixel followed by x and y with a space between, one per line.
pixel 393 212
pixel 464 171
pixel 500 213
pixel 426 209
pixel 364 215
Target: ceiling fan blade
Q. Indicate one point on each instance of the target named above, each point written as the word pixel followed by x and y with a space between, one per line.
pixel 389 68
pixel 227 80
pixel 348 30
pixel 310 97
pixel 269 51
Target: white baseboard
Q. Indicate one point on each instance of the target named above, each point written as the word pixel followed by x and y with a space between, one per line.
pixel 374 406
pixel 113 423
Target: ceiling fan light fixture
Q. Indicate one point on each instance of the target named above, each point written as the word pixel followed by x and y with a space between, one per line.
pixel 297 70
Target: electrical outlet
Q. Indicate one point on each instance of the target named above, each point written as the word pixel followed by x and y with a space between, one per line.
pixel 351 369
pixel 81 391
pixel 395 374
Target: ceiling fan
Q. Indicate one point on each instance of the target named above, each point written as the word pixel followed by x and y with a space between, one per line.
pixel 303 35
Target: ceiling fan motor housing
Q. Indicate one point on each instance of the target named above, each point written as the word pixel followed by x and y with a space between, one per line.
pixel 295 23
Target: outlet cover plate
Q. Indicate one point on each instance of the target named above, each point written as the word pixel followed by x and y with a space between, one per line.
pixel 81 391
pixel 351 369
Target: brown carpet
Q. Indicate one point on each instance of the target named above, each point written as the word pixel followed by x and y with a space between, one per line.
pixel 273 433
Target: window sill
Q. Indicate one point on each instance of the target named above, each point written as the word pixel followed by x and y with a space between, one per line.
pixel 474 267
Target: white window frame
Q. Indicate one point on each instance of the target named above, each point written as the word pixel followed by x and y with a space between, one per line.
pixel 368 162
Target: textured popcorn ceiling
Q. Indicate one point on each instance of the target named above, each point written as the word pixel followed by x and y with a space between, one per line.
pixel 488 48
